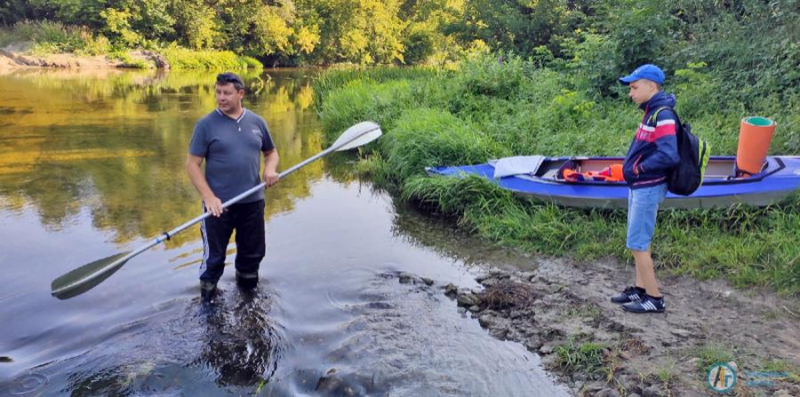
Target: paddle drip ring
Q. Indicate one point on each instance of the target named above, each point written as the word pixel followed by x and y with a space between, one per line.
pixel 26 385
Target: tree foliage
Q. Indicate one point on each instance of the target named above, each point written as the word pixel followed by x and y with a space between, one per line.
pixel 753 41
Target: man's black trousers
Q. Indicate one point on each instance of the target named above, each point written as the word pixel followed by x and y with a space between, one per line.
pixel 247 220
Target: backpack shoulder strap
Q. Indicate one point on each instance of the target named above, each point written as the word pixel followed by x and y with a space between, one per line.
pixel 654 116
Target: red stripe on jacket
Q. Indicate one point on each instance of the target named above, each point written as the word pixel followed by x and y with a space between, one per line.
pixel 650 134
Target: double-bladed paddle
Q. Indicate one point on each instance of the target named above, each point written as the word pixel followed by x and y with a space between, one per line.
pixel 88 276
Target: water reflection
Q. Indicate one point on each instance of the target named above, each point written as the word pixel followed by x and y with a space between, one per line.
pixel 186 348
pixel 92 163
pixel 115 143
pixel 240 340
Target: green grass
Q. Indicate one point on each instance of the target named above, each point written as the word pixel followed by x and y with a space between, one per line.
pixel 711 353
pixel 340 76
pixel 473 114
pixel 583 311
pixel 779 366
pixel 585 357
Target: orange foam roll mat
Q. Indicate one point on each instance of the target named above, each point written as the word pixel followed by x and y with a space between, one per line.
pixel 755 136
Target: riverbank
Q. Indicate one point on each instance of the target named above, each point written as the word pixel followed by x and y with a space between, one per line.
pixel 21 55
pixel 730 275
pixel 490 108
pixel 18 55
pixel 561 311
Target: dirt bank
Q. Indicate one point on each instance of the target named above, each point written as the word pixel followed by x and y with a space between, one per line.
pixel 18 55
pixel 562 311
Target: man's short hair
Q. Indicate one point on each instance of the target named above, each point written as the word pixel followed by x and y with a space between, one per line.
pixel 230 78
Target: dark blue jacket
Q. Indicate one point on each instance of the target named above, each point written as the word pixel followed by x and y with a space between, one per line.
pixel 654 150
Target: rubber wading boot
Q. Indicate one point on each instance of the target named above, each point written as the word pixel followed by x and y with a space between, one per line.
pixel 246 280
pixel 208 290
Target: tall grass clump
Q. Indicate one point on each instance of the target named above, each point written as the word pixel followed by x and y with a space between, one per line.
pixel 365 100
pixel 430 137
pixel 340 76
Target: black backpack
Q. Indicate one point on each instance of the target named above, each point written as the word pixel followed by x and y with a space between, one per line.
pixel 694 152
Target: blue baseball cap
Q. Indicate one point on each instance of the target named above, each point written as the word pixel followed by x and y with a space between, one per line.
pixel 649 72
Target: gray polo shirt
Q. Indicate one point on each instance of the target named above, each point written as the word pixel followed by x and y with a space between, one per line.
pixel 232 150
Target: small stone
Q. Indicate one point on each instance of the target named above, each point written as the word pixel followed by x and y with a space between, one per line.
pixel 468 300
pixel 608 393
pixel 533 343
pixel 652 391
pixel 405 278
pixel 487 320
pixel 489 282
pixel 549 361
pixel 578 386
pixel 782 393
pixel 630 383
pixel 427 281
pixel 450 289
pixel 474 308
pixel 527 275
pixel 546 349
pixel 595 387
pixel 680 332
pixel 499 333
pixel 483 277
pixel 462 310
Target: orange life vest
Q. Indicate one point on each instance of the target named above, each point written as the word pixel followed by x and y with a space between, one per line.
pixel 612 173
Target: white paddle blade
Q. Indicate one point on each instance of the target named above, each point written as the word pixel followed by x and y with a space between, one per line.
pixel 358 135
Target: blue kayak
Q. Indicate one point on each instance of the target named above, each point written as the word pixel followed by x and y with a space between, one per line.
pixel 779 178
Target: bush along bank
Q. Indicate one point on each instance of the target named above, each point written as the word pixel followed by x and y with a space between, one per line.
pixel 495 106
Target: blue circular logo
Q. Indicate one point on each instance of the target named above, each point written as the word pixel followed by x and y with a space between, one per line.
pixel 721 378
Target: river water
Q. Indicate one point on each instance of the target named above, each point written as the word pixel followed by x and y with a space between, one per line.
pixel 91 164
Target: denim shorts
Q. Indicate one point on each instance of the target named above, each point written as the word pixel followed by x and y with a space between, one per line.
pixel 642 209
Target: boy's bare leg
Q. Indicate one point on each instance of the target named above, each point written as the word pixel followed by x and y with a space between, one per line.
pixel 639 279
pixel 645 272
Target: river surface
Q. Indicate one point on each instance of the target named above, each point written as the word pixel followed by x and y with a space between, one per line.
pixel 91 164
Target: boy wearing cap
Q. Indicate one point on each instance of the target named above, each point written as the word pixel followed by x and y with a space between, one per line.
pixel 231 140
pixel 651 156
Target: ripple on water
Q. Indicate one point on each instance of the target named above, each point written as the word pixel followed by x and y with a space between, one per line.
pixel 27 385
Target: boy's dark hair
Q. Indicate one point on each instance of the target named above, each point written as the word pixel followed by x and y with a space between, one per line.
pixel 230 78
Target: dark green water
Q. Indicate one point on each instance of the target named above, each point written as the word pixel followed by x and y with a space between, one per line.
pixel 91 164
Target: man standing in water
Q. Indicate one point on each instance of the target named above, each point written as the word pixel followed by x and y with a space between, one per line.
pixel 231 139
pixel 651 156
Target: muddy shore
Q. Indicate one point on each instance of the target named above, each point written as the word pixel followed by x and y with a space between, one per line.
pixel 562 312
